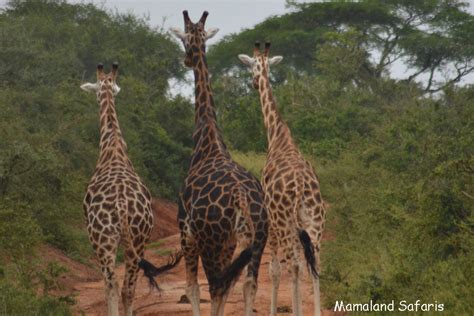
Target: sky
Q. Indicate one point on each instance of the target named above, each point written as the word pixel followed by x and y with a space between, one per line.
pixel 230 16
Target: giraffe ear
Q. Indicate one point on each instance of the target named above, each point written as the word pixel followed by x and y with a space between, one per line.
pixel 176 31
pixel 275 60
pixel 246 59
pixel 211 32
pixel 116 89
pixel 90 87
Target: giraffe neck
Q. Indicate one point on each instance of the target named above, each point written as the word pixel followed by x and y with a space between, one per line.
pixel 112 145
pixel 207 136
pixel 277 130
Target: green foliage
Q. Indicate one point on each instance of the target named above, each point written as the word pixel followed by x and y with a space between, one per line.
pixel 401 213
pixel 19 233
pixel 22 298
pixel 240 110
pixel 253 162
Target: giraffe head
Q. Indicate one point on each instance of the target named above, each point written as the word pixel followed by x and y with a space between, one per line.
pixel 194 37
pixel 105 82
pixel 260 63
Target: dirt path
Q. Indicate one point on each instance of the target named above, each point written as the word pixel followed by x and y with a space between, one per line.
pixel 87 285
pixel 91 299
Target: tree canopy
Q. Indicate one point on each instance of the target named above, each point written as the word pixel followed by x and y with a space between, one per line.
pixel 430 37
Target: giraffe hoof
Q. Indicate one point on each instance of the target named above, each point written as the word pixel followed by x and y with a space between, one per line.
pixel 284 309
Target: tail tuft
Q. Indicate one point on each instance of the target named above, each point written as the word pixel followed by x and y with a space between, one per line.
pixel 222 282
pixel 150 271
pixel 308 252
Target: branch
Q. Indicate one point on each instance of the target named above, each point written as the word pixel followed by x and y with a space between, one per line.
pixel 413 76
pixel 430 80
pixel 387 50
pixel 461 72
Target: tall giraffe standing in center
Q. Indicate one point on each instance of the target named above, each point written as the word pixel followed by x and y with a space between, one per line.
pixel 292 194
pixel 221 203
pixel 117 204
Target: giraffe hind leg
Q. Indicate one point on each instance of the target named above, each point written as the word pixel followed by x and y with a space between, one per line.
pixel 191 258
pixel 226 259
pixel 130 280
pixel 245 238
pixel 315 280
pixel 107 265
pixel 311 247
pixel 291 249
pixel 111 291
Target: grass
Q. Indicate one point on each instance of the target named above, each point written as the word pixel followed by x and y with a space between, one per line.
pixel 155 244
pixel 252 161
pixel 165 252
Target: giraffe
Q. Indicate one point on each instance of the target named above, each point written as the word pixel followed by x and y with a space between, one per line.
pixel 292 194
pixel 117 205
pixel 221 203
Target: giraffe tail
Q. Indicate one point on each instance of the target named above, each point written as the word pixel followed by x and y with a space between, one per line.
pixel 150 271
pixel 222 282
pixel 304 238
pixel 308 250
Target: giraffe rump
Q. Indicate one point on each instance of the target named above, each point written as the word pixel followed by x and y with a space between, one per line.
pixel 308 250
pixel 221 282
pixel 150 271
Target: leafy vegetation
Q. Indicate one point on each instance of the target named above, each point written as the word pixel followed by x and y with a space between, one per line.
pixel 395 160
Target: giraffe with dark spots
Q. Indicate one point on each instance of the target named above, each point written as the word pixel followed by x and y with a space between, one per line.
pixel 292 194
pixel 221 204
pixel 117 205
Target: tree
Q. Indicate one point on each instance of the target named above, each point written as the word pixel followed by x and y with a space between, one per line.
pixel 430 37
